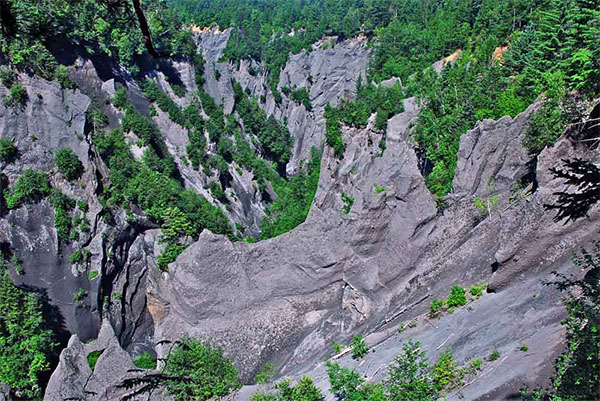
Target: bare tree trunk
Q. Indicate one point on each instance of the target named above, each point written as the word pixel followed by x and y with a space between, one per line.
pixel 139 11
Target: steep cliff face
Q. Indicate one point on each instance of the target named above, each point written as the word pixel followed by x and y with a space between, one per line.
pixel 360 266
pixel 286 299
pixel 53 118
pixel 76 291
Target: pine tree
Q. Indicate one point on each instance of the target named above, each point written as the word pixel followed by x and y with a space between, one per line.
pixel 552 44
pixel 583 62
pixel 24 343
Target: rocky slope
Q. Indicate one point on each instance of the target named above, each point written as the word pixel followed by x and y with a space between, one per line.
pixel 285 300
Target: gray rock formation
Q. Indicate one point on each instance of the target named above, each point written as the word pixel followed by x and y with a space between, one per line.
pixel 75 379
pixel 52 118
pixel 286 299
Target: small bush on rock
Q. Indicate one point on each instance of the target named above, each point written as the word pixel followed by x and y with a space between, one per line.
pixel 409 376
pixel 208 374
pixel 445 373
pixel 8 150
pixel 359 347
pixel 92 358
pixel 31 186
pixel 437 305
pixel 145 361
pixel 68 163
pixel 7 76
pixel 62 76
pixel 266 373
pixel 349 385
pixel 477 290
pixel 18 96
pixel 457 297
pixel 304 390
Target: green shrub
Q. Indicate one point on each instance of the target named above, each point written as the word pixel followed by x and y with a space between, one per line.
pixel 7 76
pixel 348 202
pixel 120 99
pixel 274 137
pixel 145 361
pixel 486 205
pixel 265 374
pixel 477 290
pixel 79 295
pixel 345 383
pixel 25 343
pixel 96 118
pixel 83 206
pixel 217 191
pixel 457 297
pixel 381 120
pixel 31 186
pixel 178 90
pixel 333 131
pixel 142 126
pixel 302 96
pixel 444 373
pixel 304 390
pixel 76 257
pixel 209 373
pixel 17 95
pixel 196 146
pixel 93 274
pixel 378 188
pixel 349 385
pixel 151 90
pixel 294 197
pixel 409 376
pixel 550 120
pixel 63 205
pixel 68 163
pixel 169 255
pixel 359 347
pixel 338 347
pixel 475 365
pixel 437 305
pixel 92 358
pixel 545 126
pixel 494 355
pixel 524 348
pixel 62 76
pixel 8 150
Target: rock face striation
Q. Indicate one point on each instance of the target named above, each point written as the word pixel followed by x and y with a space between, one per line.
pixel 364 266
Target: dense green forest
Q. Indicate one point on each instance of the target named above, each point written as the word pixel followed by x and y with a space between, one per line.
pixel 32 32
